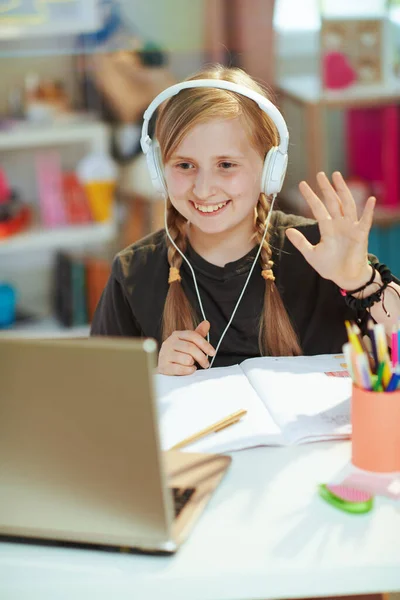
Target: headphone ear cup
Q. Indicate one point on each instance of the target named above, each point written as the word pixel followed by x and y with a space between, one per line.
pixel 274 171
pixel 154 165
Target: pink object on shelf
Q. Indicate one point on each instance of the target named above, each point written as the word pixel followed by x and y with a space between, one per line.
pixel 373 150
pixel 336 71
pixel 5 191
pixel 49 178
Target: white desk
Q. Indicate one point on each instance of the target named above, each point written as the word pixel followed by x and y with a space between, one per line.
pixel 266 534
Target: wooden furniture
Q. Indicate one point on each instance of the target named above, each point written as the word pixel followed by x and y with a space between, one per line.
pixel 240 33
pixel 306 91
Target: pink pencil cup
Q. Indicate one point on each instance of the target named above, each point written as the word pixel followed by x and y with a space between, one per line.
pixel 375 418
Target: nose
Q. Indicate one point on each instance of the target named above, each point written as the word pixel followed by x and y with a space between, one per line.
pixel 204 185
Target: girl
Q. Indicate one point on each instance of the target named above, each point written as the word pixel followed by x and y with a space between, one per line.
pixel 311 275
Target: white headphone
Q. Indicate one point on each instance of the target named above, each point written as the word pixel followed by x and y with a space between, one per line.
pixel 272 177
pixel 275 163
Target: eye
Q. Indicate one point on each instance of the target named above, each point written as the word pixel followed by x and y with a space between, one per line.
pixel 185 166
pixel 227 165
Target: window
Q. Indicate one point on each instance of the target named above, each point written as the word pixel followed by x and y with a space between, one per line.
pixel 288 17
pixel 48 17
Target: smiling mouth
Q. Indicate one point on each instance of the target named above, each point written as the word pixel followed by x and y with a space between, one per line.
pixel 210 209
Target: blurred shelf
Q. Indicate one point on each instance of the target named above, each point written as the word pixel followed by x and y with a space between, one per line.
pixel 72 130
pixel 62 237
pixel 47 327
pixel 308 89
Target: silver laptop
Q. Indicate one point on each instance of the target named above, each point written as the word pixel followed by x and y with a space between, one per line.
pixel 80 457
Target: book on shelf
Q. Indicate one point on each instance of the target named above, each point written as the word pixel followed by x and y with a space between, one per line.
pixel 49 179
pixel 63 198
pixel 289 400
pixel 79 281
pixel 75 199
pixel 63 301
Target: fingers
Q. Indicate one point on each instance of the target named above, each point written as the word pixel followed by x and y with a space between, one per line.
pixel 368 215
pixel 203 328
pixel 182 349
pixel 300 242
pixel 197 339
pixel 318 209
pixel 339 201
pixel 346 197
pixel 175 369
pixel 192 352
pixel 332 200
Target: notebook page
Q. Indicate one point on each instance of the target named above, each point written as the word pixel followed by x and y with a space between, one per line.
pixel 189 404
pixel 307 396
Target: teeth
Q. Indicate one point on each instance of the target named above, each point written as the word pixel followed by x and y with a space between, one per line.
pixel 209 207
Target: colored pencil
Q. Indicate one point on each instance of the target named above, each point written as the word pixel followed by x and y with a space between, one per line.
pixel 371 361
pixel 395 350
pixel 378 387
pixel 377 372
pixel 373 343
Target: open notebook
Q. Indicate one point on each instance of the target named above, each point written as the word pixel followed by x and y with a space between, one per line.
pixel 289 400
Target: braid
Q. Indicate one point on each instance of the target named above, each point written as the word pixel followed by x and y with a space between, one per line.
pixel 276 334
pixel 262 211
pixel 176 227
pixel 178 314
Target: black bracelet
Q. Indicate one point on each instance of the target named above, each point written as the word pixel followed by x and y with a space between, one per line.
pixel 360 289
pixel 364 303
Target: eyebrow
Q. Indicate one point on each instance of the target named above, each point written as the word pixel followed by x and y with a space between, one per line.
pixel 222 156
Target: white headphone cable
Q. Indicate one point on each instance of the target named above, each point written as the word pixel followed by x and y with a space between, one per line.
pixel 267 221
pixel 247 280
pixel 188 263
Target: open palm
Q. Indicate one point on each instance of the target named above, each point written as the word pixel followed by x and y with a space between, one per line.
pixel 342 253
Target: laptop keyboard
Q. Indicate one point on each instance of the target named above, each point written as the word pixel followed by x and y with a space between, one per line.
pixel 181 497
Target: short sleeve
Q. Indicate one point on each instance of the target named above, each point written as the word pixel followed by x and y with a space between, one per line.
pixel 113 315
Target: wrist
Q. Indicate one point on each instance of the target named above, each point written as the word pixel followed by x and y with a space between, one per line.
pixel 364 285
pixel 371 288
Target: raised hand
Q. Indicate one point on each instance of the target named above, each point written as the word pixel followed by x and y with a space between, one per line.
pixel 342 253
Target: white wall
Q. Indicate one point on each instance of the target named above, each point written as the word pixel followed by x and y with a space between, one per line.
pixel 177 25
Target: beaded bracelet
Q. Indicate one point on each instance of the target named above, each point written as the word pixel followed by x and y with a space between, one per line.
pixel 364 303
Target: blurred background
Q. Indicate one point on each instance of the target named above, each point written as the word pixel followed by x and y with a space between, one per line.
pixel 76 78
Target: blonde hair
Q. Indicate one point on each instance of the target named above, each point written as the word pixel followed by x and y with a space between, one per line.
pixel 176 117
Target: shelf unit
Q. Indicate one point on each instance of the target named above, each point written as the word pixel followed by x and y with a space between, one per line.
pixel 306 91
pixel 68 131
pixel 47 327
pixel 60 237
pixel 37 246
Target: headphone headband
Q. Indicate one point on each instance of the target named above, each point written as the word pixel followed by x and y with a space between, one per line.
pixel 265 105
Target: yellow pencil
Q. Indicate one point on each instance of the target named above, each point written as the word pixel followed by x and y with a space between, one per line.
pixel 353 339
pixel 225 422
pixel 383 354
